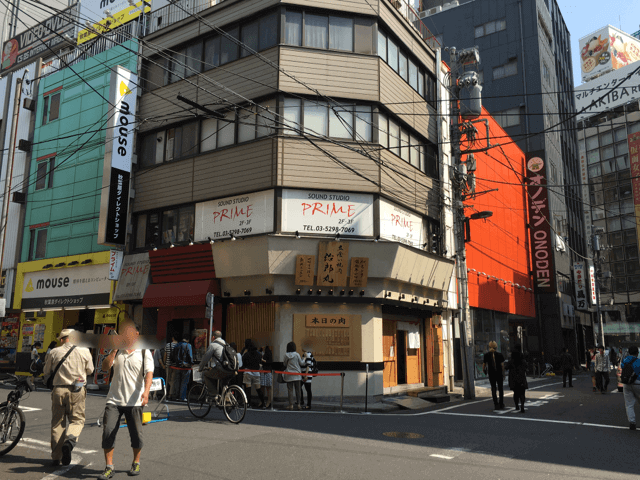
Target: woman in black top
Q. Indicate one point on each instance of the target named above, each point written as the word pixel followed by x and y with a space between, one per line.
pixel 251 361
pixel 518 377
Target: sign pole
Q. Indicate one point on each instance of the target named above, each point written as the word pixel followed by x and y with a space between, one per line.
pixel 9 170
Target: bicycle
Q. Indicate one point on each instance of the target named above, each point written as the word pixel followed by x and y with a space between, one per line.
pixel 12 421
pixel 232 401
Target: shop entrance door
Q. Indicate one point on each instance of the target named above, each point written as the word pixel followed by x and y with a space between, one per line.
pixel 401 337
pixel 181 327
pixel 389 354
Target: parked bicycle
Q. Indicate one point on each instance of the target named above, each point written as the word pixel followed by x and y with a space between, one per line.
pixel 232 401
pixel 12 421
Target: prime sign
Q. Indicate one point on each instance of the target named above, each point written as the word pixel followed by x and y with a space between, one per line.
pixel 541 248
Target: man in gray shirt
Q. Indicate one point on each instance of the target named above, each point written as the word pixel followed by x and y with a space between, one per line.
pixel 217 371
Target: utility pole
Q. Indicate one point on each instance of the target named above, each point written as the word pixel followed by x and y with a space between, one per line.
pixel 596 246
pixel 9 168
pixel 466 105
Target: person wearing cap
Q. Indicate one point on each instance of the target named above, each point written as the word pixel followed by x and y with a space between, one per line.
pixel 68 395
pixel 602 367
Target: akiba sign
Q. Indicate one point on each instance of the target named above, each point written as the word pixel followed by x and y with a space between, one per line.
pixel 114 202
pixel 538 199
pixel 66 287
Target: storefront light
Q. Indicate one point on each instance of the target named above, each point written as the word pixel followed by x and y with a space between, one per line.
pixel 87 261
pixel 61 264
pixel 97 307
pixel 84 307
pixel 56 309
pixel 75 262
pixel 48 265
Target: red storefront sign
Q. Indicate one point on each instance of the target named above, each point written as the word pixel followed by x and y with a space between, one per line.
pixel 634 154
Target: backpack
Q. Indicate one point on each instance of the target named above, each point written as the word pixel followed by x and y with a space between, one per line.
pixel 229 358
pixel 180 356
pixel 628 376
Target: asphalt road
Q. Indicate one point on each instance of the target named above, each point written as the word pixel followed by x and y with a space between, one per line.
pixel 565 433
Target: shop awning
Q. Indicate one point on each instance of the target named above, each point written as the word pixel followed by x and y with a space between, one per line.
pixel 177 294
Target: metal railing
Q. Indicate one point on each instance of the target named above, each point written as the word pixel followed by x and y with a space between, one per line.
pixel 90 49
pixel 409 13
pixel 174 13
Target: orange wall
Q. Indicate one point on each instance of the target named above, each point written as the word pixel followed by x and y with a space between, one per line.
pixel 499 245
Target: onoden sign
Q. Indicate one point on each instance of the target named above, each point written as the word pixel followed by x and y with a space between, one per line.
pixel 538 199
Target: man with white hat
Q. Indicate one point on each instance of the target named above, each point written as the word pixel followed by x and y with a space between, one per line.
pixel 68 396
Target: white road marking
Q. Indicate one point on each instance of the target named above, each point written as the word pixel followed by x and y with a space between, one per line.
pixel 441 456
pixel 30 409
pixel 75 461
pixel 48 444
pixel 530 419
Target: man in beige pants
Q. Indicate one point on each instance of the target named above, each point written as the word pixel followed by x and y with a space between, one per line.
pixel 68 396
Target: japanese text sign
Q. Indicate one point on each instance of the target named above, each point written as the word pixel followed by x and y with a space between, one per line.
pixel 332 264
pixel 539 218
pixel 634 164
pixel 580 280
pixel 305 265
pixel 359 272
pixel 334 321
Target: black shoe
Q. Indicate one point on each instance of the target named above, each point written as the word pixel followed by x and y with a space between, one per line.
pixel 517 406
pixel 594 389
pixel 571 386
pixel 632 426
pixel 66 453
pixel 522 410
pixel 56 463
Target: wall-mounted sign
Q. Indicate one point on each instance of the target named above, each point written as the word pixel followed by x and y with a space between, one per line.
pixel 134 277
pixel 580 280
pixel 327 212
pixel 115 262
pixel 114 202
pixel 359 272
pixel 605 50
pixel 333 260
pixel 592 285
pixel 121 13
pixel 241 215
pixel 305 266
pixel 38 40
pixel 584 176
pixel 634 161
pixel 66 287
pixel 332 337
pixel 400 225
pixel 327 321
pixel 539 215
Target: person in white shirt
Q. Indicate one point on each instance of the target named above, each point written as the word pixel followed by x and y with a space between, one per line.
pixel 128 394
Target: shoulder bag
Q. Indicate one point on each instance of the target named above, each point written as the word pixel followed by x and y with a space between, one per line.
pixel 49 381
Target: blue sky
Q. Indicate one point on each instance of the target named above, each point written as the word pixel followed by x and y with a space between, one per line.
pixel 586 16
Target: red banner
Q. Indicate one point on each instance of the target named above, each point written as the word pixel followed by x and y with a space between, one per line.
pixel 634 160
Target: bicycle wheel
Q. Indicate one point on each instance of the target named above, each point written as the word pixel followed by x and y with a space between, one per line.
pixel 235 404
pixel 12 425
pixel 197 401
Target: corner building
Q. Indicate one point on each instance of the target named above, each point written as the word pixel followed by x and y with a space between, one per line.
pixel 312 174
